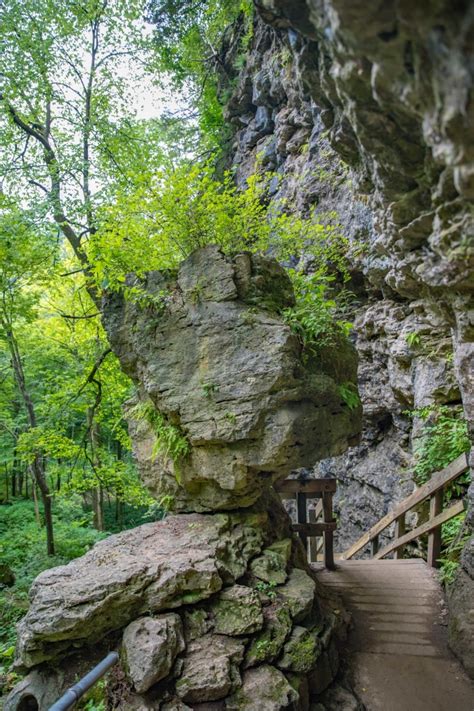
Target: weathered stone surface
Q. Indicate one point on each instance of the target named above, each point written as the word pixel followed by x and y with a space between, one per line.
pixel 175 705
pixel 211 669
pixel 267 644
pixel 153 567
pixel 298 594
pixel 322 675
pixel 196 623
pixel 250 414
pixel 151 644
pixel 461 620
pixel 338 698
pixel 237 611
pixel 389 90
pixel 40 686
pixel 263 688
pixel 271 565
pixel 300 651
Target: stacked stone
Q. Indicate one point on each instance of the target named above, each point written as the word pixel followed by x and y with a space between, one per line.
pixel 214 609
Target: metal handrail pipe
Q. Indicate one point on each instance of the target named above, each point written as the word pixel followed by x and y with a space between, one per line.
pixel 73 694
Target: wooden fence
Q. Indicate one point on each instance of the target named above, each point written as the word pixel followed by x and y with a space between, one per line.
pixel 312 530
pixel 432 490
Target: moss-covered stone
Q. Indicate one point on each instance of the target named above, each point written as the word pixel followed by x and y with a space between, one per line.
pixel 196 623
pixel 300 651
pixel 263 688
pixel 266 646
pixel 211 669
pixel 271 565
pixel 298 594
pixel 237 611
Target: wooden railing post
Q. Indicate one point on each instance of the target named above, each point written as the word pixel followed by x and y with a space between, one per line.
pixel 301 516
pixel 434 538
pixel 313 541
pixel 400 530
pixel 374 545
pixel 328 534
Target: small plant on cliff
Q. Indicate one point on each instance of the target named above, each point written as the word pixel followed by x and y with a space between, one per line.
pixel 413 339
pixel 454 537
pixel 267 589
pixel 314 318
pixel 170 440
pixel 444 438
pixel 349 394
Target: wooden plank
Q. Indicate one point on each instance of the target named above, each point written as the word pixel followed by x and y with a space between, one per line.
pixel 328 533
pixel 314 512
pixel 374 546
pixel 439 479
pixel 314 529
pixel 301 511
pixel 430 525
pixel 434 538
pixel 400 530
pixel 311 486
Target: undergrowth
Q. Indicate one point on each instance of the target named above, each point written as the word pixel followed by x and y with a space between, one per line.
pixel 444 438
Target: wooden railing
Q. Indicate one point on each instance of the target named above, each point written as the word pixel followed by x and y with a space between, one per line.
pixel 432 490
pixel 311 531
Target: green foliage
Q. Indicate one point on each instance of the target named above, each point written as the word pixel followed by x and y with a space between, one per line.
pixel 349 394
pixel 170 440
pixel 413 339
pixel 314 318
pixel 268 589
pixel 454 537
pixel 22 548
pixel 444 438
pixel 188 39
pixel 209 389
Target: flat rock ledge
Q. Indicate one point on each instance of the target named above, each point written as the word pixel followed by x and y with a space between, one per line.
pixel 198 622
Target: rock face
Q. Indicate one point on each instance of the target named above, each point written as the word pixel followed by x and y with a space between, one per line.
pixel 366 113
pixel 166 596
pixel 216 610
pixel 220 364
pixel 158 566
pixel 151 645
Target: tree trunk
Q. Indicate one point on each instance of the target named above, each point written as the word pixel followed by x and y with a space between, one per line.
pixel 38 463
pixel 35 499
pixel 6 484
pixel 97 492
pixel 13 480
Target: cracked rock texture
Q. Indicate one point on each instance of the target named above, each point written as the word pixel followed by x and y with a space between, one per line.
pixel 220 363
pixel 194 626
pixel 366 112
pixel 215 610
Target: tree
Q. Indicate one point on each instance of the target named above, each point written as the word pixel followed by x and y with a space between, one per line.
pixel 25 260
pixel 63 97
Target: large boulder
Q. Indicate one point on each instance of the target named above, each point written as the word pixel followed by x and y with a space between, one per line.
pixel 158 566
pixel 210 351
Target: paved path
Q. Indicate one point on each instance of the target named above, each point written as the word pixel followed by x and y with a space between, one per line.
pixel 398 653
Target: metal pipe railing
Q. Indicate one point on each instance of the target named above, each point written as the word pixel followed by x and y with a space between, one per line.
pixel 73 694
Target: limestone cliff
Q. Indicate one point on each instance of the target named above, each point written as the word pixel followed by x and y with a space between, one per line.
pixel 217 609
pixel 366 110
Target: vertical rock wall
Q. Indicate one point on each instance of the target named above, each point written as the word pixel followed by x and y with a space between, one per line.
pixel 366 110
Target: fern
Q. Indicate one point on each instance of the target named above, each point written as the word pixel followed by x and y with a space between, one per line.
pixel 348 392
pixel 170 440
